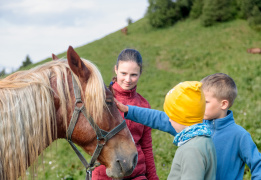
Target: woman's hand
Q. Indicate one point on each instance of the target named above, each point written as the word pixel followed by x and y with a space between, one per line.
pixel 121 107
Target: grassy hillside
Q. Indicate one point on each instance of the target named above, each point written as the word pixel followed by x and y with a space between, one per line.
pixel 186 51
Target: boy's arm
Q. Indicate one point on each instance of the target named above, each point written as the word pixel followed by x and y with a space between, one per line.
pixel 251 156
pixel 150 117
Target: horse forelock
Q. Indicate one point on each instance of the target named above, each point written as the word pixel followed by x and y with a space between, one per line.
pixel 27 109
pixel 94 92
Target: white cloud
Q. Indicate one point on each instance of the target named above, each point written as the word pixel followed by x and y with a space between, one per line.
pixel 47 6
pixel 39 28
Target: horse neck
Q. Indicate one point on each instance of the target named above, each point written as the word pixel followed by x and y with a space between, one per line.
pixel 62 113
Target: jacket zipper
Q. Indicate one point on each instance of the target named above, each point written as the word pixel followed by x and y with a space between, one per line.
pixel 213 128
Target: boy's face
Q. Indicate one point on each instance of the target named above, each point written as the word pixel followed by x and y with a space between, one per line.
pixel 214 107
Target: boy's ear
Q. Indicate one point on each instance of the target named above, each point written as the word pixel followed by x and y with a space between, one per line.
pixel 224 104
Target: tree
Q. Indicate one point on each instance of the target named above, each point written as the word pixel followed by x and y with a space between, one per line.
pixel 161 13
pixel 129 21
pixel 2 73
pixel 217 11
pixel 183 8
pixel 255 19
pixel 196 9
pixel 26 62
pixel 245 8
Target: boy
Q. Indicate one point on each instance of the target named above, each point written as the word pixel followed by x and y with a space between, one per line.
pixel 234 145
pixel 184 108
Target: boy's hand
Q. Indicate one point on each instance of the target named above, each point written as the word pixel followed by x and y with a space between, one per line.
pixel 121 107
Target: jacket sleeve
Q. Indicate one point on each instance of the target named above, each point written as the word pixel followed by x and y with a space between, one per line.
pixel 150 117
pixel 251 156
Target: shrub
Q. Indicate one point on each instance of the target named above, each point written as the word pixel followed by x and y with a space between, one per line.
pixel 161 13
pixel 255 19
pixel 217 11
pixel 245 8
pixel 196 9
pixel 183 8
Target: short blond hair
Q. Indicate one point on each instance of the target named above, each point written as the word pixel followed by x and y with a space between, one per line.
pixel 222 86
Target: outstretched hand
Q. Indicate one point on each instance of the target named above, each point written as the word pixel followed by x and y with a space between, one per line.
pixel 121 107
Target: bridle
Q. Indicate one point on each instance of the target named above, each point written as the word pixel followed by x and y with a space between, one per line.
pixel 102 136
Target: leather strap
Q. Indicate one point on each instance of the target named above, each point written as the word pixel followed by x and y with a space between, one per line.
pixel 102 136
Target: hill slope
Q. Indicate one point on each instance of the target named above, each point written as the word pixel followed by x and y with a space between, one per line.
pixel 186 51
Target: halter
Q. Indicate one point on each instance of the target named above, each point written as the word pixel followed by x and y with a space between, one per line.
pixel 102 136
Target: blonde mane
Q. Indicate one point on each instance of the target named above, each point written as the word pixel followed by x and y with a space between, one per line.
pixel 27 112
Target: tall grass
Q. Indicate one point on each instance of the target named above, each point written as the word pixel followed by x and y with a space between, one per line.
pixel 186 51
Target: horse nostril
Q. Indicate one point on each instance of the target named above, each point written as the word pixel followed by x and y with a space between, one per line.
pixel 120 165
pixel 125 168
pixel 135 161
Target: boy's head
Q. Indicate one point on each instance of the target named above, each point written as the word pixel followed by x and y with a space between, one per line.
pixel 185 103
pixel 220 92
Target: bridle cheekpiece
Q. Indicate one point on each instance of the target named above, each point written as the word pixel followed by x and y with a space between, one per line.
pixel 102 136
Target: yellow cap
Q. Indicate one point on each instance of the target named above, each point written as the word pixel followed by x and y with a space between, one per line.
pixel 185 103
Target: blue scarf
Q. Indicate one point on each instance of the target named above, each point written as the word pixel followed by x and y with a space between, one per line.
pixel 191 132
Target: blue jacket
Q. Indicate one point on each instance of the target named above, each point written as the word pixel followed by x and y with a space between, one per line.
pixel 234 148
pixel 144 116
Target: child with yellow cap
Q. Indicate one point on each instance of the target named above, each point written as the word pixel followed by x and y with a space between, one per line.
pixel 184 108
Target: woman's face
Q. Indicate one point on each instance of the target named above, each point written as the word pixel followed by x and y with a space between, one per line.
pixel 128 74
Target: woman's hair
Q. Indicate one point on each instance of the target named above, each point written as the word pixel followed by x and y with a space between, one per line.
pixel 130 55
pixel 222 86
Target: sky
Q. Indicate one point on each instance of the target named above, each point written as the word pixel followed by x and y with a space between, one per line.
pixel 39 28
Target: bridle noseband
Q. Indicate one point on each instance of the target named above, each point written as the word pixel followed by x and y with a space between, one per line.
pixel 102 136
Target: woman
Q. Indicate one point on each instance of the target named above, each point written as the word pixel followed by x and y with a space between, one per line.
pixel 128 70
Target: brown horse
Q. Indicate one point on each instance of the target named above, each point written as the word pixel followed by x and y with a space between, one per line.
pixel 254 50
pixel 36 107
pixel 124 30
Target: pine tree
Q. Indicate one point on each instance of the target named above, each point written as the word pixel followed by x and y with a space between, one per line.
pixel 2 73
pixel 26 62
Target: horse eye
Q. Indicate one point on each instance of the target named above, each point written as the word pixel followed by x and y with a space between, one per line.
pixel 109 101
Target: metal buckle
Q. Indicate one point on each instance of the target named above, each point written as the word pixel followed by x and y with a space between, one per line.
pixel 88 174
pixel 101 141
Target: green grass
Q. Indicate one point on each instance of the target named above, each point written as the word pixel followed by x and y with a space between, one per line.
pixel 186 51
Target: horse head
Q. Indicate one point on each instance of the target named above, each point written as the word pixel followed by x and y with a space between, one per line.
pixel 119 154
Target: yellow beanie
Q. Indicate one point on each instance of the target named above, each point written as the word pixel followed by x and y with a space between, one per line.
pixel 185 103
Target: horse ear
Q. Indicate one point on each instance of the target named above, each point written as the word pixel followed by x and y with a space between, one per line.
pixel 76 65
pixel 54 57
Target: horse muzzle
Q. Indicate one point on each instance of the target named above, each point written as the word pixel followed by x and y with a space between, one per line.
pixel 122 167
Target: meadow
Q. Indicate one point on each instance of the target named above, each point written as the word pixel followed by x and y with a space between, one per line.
pixel 185 51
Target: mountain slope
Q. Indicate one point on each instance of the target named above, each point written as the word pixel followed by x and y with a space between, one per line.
pixel 185 51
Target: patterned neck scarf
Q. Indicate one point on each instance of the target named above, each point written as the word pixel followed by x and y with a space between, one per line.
pixel 191 132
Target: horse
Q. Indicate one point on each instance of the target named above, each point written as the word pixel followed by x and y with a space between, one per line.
pixel 124 31
pixel 37 107
pixel 254 50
